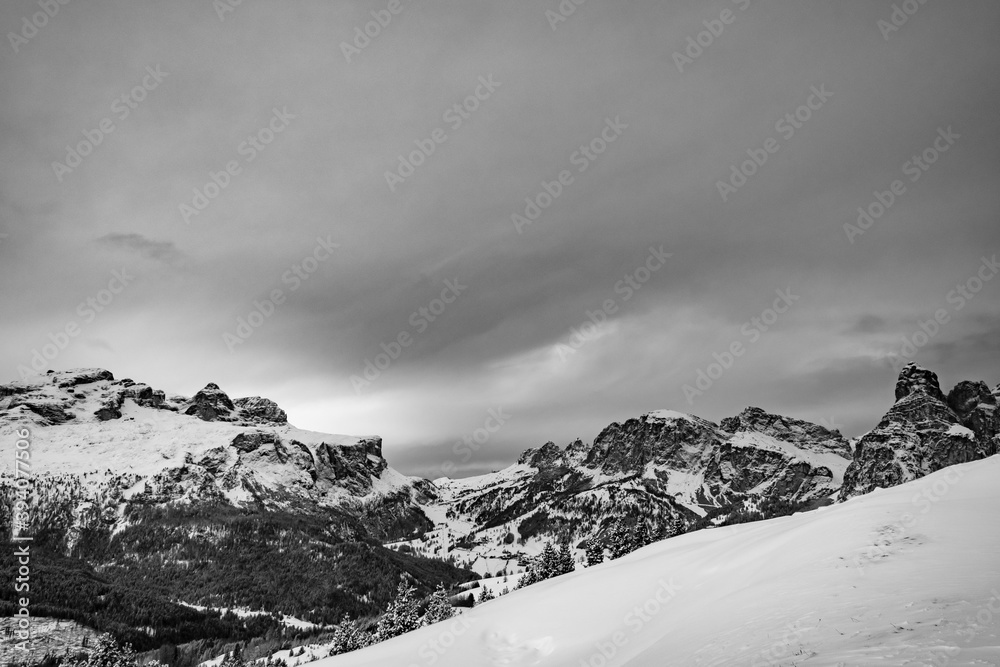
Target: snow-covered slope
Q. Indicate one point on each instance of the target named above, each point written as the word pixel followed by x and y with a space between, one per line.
pixel 902 576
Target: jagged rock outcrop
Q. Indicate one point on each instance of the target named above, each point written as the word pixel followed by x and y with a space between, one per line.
pixel 211 404
pixel 257 409
pixel 923 432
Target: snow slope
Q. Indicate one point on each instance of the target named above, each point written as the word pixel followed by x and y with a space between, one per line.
pixel 902 576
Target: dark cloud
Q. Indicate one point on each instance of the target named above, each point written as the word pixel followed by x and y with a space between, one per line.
pixel 163 251
pixel 503 340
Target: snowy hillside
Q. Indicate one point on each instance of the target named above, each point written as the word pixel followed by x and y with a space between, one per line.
pixel 901 576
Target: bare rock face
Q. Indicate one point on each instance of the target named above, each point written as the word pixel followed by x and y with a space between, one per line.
pixel 261 410
pixel 212 404
pixel 914 379
pixel 923 432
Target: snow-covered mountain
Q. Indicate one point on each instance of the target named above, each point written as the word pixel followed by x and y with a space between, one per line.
pixel 206 502
pixel 925 431
pixel 668 470
pixel 677 472
pixel 112 441
pixel 903 576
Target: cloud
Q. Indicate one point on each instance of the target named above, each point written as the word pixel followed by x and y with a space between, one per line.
pixel 161 251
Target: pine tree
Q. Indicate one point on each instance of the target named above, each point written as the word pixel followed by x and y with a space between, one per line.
pixel 107 653
pixel 550 566
pixel 678 526
pixel 439 607
pixel 621 541
pixel 486 596
pixel 566 562
pixel 641 534
pixel 400 617
pixel 347 636
pixel 595 552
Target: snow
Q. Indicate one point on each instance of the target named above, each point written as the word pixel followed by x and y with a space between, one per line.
pixel 669 415
pixel 837 464
pixel 958 429
pixel 902 576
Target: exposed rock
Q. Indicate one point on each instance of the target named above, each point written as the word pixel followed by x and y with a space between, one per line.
pixel 52 412
pixel 546 456
pixel 251 440
pixel 211 404
pixel 924 432
pixel 967 395
pixel 257 409
pixel 915 379
pixel 83 376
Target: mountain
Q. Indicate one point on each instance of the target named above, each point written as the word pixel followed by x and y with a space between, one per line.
pixel 666 470
pixel 148 508
pixel 874 580
pixel 925 431
pixel 136 443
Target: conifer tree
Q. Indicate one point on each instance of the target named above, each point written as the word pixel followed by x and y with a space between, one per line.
pixel 550 565
pixel 566 562
pixel 400 617
pixel 621 541
pixel 641 535
pixel 595 552
pixel 347 636
pixel 486 596
pixel 439 607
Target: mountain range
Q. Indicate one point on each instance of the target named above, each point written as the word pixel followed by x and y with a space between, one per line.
pixel 151 505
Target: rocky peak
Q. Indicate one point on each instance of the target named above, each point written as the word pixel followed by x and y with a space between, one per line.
pixel 211 404
pixel 967 395
pixel 255 408
pixel 916 379
pixel 924 432
pixel 545 456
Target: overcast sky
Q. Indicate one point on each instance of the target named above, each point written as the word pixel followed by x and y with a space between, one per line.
pixel 676 119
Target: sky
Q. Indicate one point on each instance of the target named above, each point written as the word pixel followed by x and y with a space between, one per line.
pixel 507 224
